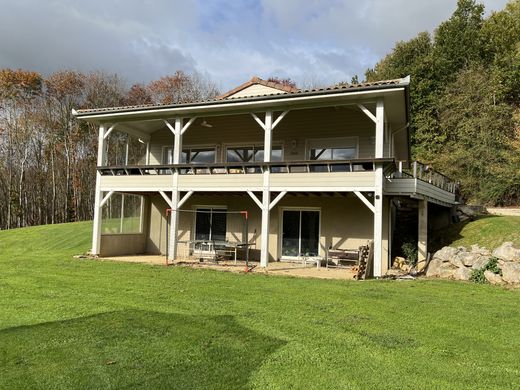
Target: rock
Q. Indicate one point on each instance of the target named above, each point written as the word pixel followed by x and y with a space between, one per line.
pixel 394 272
pixel 480 251
pixel 462 273
pixel 434 268
pixel 447 270
pixel 470 259
pixel 480 263
pixel 493 278
pixel 507 252
pixel 510 272
pixel 446 253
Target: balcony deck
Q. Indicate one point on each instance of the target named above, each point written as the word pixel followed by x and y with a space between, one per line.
pixel 343 175
pixel 301 176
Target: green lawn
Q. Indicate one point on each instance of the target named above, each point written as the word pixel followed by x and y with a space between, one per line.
pixel 489 231
pixel 68 323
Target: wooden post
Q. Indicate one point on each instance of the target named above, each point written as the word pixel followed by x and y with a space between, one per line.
pixel 174 215
pixel 266 193
pixel 378 190
pixel 96 233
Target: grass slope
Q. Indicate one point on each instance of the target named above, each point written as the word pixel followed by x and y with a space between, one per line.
pixel 489 231
pixel 67 323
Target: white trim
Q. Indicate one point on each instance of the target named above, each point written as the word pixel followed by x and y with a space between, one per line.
pixel 367 112
pixel 187 125
pixel 184 199
pixel 280 229
pixel 255 198
pixel 279 119
pixel 106 198
pixel 365 201
pixel 277 199
pixel 252 105
pixel 167 199
pixel 110 130
pixel 258 120
pixel 241 189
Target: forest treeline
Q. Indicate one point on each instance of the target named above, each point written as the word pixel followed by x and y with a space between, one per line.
pixel 465 99
pixel 465 106
pixel 47 157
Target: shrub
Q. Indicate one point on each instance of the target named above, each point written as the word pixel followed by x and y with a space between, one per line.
pixel 477 275
pixel 410 252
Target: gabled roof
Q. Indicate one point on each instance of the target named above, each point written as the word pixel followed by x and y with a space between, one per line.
pixel 283 88
pixel 284 94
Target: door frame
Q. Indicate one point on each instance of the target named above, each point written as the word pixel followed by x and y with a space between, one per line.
pixel 280 230
pixel 204 206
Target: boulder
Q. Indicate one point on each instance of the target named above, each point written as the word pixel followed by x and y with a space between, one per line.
pixel 480 263
pixel 470 259
pixel 507 252
pixel 493 278
pixel 445 254
pixel 510 272
pixel 434 268
pixel 462 273
pixel 457 259
pixel 480 251
pixel 447 270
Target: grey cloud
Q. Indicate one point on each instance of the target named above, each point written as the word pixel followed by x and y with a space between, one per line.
pixel 228 40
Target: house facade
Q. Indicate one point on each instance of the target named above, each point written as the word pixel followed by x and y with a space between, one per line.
pixel 310 170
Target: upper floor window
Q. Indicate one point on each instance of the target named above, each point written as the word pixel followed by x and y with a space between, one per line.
pixel 251 153
pixel 329 149
pixel 192 156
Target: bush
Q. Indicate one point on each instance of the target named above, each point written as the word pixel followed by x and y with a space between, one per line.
pixel 477 275
pixel 410 252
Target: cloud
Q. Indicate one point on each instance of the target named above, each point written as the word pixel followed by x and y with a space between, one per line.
pixel 230 41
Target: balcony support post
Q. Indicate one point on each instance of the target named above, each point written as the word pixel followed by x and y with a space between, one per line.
pixel 378 191
pixel 178 129
pixel 268 124
pixel 101 158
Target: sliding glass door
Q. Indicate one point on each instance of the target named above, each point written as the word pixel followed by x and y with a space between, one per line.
pixel 300 233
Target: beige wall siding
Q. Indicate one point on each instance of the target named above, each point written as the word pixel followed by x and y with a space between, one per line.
pixel 136 182
pixel 345 221
pixel 323 179
pixel 256 90
pixel 122 244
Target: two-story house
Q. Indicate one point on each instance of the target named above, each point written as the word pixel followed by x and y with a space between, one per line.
pixel 313 169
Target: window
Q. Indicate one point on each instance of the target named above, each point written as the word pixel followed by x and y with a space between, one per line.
pixel 251 153
pixel 192 156
pixel 122 214
pixel 332 149
pixel 210 224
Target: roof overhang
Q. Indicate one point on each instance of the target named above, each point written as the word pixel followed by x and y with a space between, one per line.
pixel 393 94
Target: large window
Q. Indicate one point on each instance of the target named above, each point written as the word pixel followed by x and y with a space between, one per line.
pixel 122 214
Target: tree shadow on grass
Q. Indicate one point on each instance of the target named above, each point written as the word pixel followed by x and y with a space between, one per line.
pixel 133 349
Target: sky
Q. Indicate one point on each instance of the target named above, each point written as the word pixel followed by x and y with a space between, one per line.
pixel 228 41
